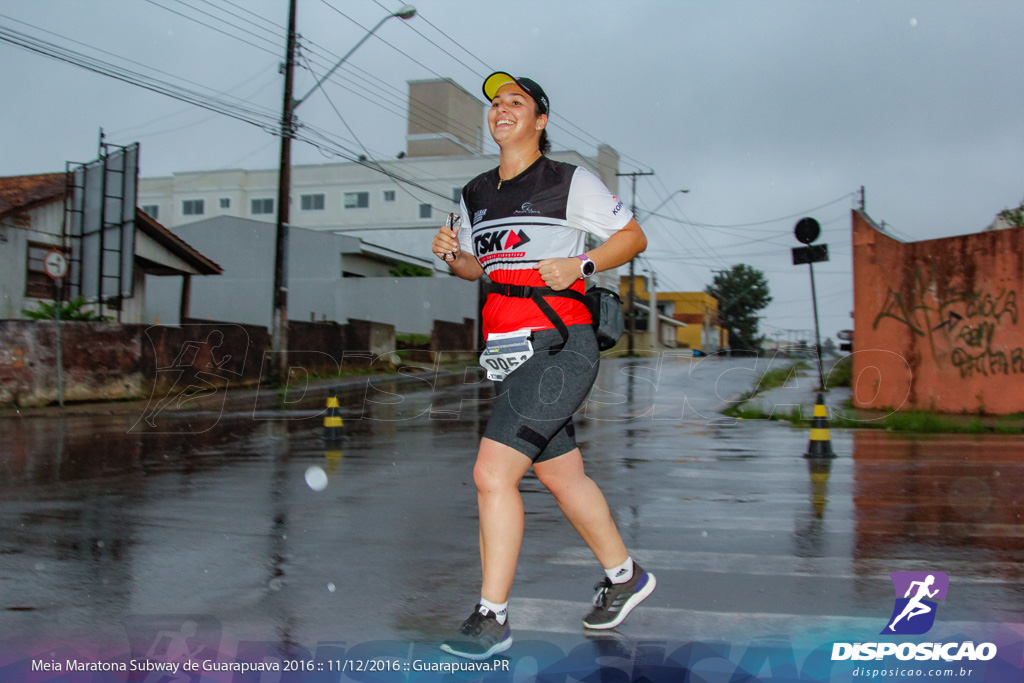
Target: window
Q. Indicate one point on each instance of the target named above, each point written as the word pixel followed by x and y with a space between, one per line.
pixel 152 209
pixel 357 200
pixel 38 284
pixel 426 210
pixel 312 202
pixel 225 202
pixel 193 207
pixel 389 195
pixel 262 206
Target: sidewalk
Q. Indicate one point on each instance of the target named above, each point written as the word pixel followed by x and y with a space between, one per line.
pixel 800 393
pixel 262 397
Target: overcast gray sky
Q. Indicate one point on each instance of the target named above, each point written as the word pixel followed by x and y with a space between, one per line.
pixel 764 110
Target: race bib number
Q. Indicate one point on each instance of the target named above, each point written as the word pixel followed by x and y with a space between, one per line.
pixel 505 352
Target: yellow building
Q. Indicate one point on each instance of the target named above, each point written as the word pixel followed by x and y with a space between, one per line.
pixel 687 320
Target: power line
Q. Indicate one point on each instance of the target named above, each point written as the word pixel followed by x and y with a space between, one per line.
pixel 213 28
pixel 97 49
pixel 361 145
pixel 764 222
pixel 417 31
pixel 237 110
pixel 258 16
pixel 276 34
pixel 267 122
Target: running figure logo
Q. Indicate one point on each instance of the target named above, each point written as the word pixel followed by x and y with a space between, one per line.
pixel 914 613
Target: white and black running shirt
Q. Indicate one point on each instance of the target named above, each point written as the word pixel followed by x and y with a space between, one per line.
pixel 544 212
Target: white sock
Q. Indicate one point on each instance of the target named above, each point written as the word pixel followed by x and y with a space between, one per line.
pixel 500 611
pixel 622 573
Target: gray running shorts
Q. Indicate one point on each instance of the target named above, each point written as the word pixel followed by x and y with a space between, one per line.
pixel 534 405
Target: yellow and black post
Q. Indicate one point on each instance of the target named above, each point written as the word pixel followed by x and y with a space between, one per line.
pixel 820 445
pixel 332 418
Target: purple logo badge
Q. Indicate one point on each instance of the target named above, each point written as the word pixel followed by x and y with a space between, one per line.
pixel 914 611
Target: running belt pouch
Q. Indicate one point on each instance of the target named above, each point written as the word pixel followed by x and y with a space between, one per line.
pixel 606 310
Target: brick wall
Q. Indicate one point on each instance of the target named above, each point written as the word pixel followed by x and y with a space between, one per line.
pixel 937 323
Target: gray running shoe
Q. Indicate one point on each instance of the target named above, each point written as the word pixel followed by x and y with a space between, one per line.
pixel 614 601
pixel 480 636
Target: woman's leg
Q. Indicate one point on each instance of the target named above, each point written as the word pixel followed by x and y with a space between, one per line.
pixel 584 505
pixel 499 468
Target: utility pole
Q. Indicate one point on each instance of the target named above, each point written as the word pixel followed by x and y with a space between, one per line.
pixel 654 330
pixel 279 330
pixel 279 333
pixel 630 309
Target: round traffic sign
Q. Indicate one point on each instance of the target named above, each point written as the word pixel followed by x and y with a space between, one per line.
pixel 807 230
pixel 55 264
pixel 845 335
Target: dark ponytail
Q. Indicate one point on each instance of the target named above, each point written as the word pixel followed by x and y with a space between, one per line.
pixel 544 144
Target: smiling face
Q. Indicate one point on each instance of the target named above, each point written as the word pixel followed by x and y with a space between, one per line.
pixel 513 118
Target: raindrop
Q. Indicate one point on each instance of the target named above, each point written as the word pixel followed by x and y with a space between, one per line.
pixel 330 587
pixel 704 533
pixel 100 544
pixel 316 478
pixel 39 567
pixel 276 584
pixel 913 22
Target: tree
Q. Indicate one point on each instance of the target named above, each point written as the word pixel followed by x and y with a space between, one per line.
pixel 741 293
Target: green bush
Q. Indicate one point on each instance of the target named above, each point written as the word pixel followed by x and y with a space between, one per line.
pixel 69 310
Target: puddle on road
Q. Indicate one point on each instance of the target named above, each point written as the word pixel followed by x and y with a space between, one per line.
pixel 92 507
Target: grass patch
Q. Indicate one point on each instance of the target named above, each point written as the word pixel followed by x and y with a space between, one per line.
pixel 904 422
pixel 769 380
pixel 779 376
pixel 1007 429
pixel 841 374
pixel 930 423
pixel 410 340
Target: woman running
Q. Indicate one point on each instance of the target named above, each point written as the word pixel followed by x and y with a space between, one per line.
pixel 525 225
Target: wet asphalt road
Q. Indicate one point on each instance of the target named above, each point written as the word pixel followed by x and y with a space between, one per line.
pixel 207 518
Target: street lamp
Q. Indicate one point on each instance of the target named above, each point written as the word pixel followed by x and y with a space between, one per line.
pixel 653 326
pixel 406 13
pixel 666 200
pixel 279 323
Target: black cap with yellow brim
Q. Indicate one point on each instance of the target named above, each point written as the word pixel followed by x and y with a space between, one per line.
pixel 500 78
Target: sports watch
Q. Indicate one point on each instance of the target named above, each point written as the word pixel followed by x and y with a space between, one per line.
pixel 587 267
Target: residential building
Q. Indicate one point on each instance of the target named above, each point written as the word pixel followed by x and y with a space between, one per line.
pixel 31 225
pixel 687 320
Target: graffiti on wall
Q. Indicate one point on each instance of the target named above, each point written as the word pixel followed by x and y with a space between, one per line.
pixel 967 321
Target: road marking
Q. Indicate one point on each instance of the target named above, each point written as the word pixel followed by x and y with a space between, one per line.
pixel 648 621
pixel 1008 573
